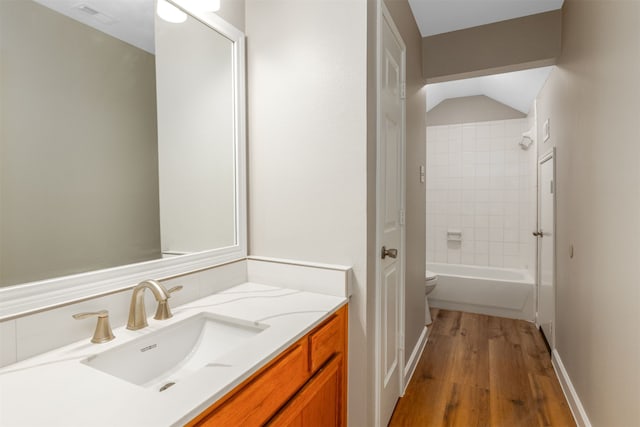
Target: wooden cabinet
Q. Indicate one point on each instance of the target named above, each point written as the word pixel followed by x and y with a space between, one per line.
pixel 319 403
pixel 306 385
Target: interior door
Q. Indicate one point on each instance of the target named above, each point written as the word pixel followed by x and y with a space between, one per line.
pixel 546 248
pixel 390 218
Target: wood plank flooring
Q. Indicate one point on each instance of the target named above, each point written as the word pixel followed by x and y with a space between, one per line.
pixel 479 371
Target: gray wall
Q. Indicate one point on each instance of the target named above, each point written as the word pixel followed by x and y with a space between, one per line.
pixel 514 44
pixel 593 101
pixel 78 179
pixel 470 109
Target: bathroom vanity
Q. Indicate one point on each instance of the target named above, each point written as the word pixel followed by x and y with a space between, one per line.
pixel 283 361
pixel 304 384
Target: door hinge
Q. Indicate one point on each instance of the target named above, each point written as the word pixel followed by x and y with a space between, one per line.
pixel 402 217
pixel 552 187
pixel 403 90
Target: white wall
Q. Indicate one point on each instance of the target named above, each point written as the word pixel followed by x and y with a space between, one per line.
pixel 307 105
pixel 481 182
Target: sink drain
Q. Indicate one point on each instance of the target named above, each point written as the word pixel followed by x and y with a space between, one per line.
pixel 166 386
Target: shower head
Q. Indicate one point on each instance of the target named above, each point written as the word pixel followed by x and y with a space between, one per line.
pixel 527 139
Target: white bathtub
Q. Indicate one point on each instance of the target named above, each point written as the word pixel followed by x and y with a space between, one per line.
pixel 487 290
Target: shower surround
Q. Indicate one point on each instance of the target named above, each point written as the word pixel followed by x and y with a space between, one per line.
pixel 482 183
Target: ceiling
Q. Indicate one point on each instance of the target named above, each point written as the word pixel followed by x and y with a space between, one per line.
pixel 442 16
pixel 517 89
pixel 131 21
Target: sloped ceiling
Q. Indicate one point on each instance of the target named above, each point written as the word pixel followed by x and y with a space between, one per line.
pixel 442 16
pixel 516 89
pixel 131 21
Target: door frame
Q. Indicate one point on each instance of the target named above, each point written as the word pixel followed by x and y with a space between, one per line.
pixel 549 155
pixel 383 15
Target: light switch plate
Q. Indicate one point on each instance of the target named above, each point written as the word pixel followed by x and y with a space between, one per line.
pixel 546 131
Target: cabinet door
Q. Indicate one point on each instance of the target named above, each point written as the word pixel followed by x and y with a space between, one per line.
pixel 261 397
pixel 319 403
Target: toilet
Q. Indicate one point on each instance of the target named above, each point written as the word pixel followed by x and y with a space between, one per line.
pixel 430 282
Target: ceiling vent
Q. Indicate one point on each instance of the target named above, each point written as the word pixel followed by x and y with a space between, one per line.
pixel 94 14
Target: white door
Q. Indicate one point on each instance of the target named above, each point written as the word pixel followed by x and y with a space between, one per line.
pixel 546 246
pixel 390 193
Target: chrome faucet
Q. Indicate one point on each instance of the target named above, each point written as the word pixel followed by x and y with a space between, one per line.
pixel 137 312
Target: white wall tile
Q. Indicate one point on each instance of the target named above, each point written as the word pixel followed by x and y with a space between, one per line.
pixel 483 144
pixel 431 256
pixel 497 144
pixel 467 258
pixel 496 260
pixel 482 247
pixel 483 208
pixel 482 195
pixel 467 221
pixel 482 233
pixel 481 221
pixel 496 221
pixel 483 158
pixel 496 208
pixel 483 130
pixel 511 261
pixel 483 171
pixel 482 183
pixel 497 129
pixel 496 248
pixel 482 259
pixel 512 249
pixel 453 256
pixel 480 180
pixel 496 234
pixel 511 235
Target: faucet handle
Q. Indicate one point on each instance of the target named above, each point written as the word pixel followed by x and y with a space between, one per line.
pixel 163 311
pixel 103 331
pixel 175 289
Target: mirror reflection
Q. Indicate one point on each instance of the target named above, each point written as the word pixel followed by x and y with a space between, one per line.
pixel 114 149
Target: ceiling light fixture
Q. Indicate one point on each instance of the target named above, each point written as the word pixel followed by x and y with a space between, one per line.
pixel 170 13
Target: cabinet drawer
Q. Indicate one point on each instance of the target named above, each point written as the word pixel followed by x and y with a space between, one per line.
pixel 327 340
pixel 260 398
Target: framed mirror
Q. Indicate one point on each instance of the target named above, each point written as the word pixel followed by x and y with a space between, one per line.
pixel 122 153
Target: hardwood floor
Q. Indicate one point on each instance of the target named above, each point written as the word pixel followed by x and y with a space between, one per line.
pixel 479 370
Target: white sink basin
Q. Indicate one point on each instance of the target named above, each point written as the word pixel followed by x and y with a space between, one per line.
pixel 162 358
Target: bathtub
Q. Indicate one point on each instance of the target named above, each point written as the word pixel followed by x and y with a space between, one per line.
pixel 486 290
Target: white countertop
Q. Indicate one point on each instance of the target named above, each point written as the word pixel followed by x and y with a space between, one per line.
pixel 56 389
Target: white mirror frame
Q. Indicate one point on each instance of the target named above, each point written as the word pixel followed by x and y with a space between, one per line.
pixel 24 299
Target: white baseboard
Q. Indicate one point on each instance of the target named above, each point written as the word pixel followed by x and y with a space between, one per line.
pixel 579 414
pixel 410 368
